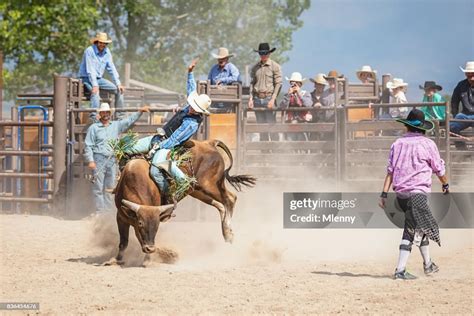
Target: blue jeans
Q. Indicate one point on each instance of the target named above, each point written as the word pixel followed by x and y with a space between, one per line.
pixel 143 146
pixel 104 84
pixel 176 173
pixel 265 117
pixel 104 174
pixel 457 127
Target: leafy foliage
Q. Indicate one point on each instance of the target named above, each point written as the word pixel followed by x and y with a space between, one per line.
pixel 158 38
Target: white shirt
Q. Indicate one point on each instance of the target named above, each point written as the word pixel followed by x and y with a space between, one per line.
pixel 399 112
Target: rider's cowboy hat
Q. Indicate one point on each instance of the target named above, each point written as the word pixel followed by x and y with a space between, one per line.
pixel 319 79
pixel 264 48
pixel 101 37
pixel 366 69
pixel 469 67
pixel 199 102
pixel 431 85
pixel 416 119
pixel 296 76
pixel 104 107
pixel 395 83
pixel 222 52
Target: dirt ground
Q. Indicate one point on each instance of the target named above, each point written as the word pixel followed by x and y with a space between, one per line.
pixel 267 269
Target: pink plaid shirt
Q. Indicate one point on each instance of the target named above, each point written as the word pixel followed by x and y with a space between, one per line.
pixel 413 159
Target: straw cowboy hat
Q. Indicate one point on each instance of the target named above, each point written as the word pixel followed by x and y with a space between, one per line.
pixel 264 48
pixel 416 119
pixel 199 102
pixel 104 107
pixel 469 67
pixel 222 52
pixel 333 74
pixel 366 69
pixel 101 37
pixel 431 85
pixel 319 79
pixel 395 83
pixel 296 76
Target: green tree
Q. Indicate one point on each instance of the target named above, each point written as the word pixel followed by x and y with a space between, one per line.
pixel 159 38
pixel 40 38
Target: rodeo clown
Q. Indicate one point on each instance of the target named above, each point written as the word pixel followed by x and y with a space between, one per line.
pixel 182 126
pixel 412 160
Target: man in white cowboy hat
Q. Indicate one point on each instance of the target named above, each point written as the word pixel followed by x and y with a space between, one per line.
pixel 265 84
pixel 181 127
pixel 397 90
pixel 96 59
pixel 366 74
pixel 224 72
pixel 99 155
pixel 464 94
pixel 296 97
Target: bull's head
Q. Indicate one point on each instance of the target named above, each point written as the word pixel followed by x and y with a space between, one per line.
pixel 146 220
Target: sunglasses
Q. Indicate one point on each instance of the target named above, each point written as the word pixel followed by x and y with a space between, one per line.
pixel 263 53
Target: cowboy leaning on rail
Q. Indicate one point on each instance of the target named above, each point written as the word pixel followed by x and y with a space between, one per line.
pixel 412 160
pixel 99 155
pixel 182 126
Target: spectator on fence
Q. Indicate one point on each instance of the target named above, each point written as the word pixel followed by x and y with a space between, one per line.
pixel 366 74
pixel 221 74
pixel 296 98
pixel 100 157
pixel 329 98
pixel 224 72
pixel 437 112
pixel 464 94
pixel 397 91
pixel 96 59
pixel 318 95
pixel 265 84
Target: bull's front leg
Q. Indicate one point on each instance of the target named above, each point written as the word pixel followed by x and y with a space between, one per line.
pixel 124 229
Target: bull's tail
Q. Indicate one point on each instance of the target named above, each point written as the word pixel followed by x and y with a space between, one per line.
pixel 238 180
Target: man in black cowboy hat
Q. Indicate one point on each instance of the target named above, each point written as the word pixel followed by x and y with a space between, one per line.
pixel 412 160
pixel 437 112
pixel 265 84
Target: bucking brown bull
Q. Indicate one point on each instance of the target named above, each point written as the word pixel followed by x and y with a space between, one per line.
pixel 138 198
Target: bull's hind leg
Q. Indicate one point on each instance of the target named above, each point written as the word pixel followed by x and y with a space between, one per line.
pixel 212 199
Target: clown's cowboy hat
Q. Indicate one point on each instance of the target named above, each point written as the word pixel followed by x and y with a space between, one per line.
pixel 469 67
pixel 101 37
pixel 222 52
pixel 396 83
pixel 416 119
pixel 366 69
pixel 104 107
pixel 264 48
pixel 296 76
pixel 319 79
pixel 199 102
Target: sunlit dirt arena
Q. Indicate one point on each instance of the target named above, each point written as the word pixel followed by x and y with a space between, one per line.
pixel 267 269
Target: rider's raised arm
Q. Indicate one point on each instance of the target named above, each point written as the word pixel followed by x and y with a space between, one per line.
pixel 191 84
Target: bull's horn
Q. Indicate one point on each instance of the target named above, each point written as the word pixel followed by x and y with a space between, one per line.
pixel 164 208
pixel 133 206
